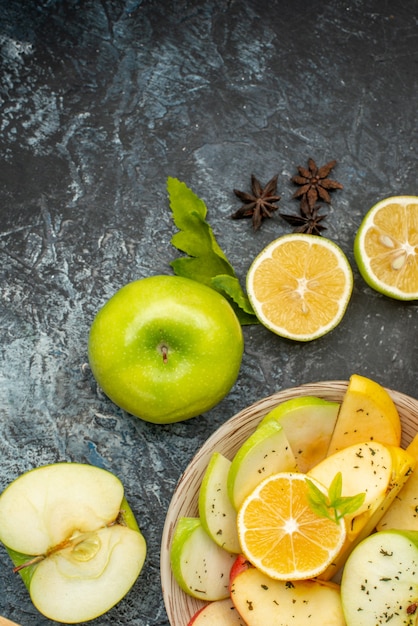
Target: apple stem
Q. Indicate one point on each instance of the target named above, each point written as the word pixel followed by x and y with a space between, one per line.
pixel 36 559
pixel 164 352
pixel 73 541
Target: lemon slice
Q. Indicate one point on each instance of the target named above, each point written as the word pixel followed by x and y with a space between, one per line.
pixel 300 286
pixel 280 533
pixel 386 247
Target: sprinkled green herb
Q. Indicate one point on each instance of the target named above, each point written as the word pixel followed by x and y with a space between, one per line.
pixel 334 506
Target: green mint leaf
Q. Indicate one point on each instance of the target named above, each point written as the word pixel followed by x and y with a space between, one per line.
pixel 314 493
pixel 318 501
pixel 349 504
pixel 343 505
pixel 334 505
pixel 205 261
pixel 335 488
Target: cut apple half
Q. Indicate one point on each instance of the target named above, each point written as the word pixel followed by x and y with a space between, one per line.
pixel 73 538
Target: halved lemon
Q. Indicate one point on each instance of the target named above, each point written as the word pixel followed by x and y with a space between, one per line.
pixel 300 286
pixel 281 534
pixel 386 247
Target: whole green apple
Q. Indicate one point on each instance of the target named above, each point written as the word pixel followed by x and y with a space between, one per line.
pixel 166 348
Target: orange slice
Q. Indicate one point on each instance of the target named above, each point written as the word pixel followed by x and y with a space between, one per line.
pixel 280 533
pixel 386 247
pixel 300 286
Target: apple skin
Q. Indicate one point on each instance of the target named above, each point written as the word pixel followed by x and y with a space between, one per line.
pixel 166 348
pixel 217 613
pixel 239 565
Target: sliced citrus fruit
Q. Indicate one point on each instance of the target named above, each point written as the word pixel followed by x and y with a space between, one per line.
pixel 300 286
pixel 386 247
pixel 282 535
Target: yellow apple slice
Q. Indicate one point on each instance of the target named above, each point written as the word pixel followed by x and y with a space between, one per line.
pixel 403 512
pixel 218 516
pixel 308 422
pixel 267 451
pixel 377 470
pixel 367 413
pixel 262 601
pixel 73 539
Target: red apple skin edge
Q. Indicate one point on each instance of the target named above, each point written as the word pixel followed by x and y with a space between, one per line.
pixel 239 565
pixel 196 615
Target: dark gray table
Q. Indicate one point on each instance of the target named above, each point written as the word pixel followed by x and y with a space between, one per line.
pixel 100 103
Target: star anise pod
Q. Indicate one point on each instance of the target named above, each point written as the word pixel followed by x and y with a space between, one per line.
pixel 308 221
pixel 314 182
pixel 258 204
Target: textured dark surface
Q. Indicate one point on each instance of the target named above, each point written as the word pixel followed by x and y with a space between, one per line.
pixel 100 102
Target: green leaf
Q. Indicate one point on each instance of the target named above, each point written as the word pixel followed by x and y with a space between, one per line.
pixel 318 501
pixel 230 286
pixel 349 504
pixel 333 505
pixel 205 261
pixel 336 487
pixel 24 562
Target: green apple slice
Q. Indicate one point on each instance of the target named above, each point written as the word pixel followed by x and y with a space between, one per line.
pixel 308 422
pixel 380 580
pixel 218 516
pixel 73 538
pixel 267 451
pixel 200 567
